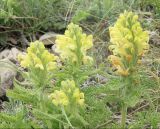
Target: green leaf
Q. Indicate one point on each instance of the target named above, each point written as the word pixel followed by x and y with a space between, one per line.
pixel 132 100
pixel 23 94
pixel 79 16
pixel 7 117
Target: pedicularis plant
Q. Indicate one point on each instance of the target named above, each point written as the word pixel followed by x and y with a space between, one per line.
pixel 40 64
pixel 72 48
pixel 129 44
pixel 57 106
pixel 69 99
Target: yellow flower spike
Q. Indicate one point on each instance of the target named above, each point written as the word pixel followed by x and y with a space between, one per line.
pixel 59 98
pixel 38 57
pixel 129 42
pixel 69 94
pixel 73 45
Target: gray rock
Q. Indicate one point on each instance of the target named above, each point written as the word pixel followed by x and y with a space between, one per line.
pixel 48 38
pixel 154 38
pixel 7 72
pixel 10 54
pixel 53 48
pixel 5 53
pixel 6 77
pixel 12 40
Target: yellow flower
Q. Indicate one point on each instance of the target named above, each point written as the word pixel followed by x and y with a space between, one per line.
pixel 68 83
pixel 20 57
pixel 38 63
pixel 59 98
pixel 129 42
pixel 127 33
pixel 87 60
pixel 51 66
pixel 23 63
pixel 123 72
pixel 79 97
pixel 73 45
pixel 69 94
pixel 116 61
pixel 128 58
pixel 38 57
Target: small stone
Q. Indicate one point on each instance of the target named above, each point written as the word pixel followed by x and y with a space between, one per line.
pixel 13 54
pixel 102 79
pixel 48 38
pixel 154 38
pixel 12 40
pixel 53 48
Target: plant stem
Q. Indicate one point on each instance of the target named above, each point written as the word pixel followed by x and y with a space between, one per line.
pixel 124 115
pixel 64 113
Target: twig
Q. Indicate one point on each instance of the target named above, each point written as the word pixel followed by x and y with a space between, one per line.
pixel 5 27
pixel 143 106
pixel 104 124
pixel 69 10
pixel 15 17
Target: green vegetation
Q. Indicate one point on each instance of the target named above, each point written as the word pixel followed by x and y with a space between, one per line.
pixel 104 71
pixel 32 15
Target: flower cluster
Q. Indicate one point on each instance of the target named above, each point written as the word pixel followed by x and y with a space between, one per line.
pixel 69 94
pixel 37 57
pixel 129 43
pixel 59 98
pixel 73 45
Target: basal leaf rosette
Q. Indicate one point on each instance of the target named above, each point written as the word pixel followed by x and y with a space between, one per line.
pixel 73 45
pixel 38 58
pixel 128 43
